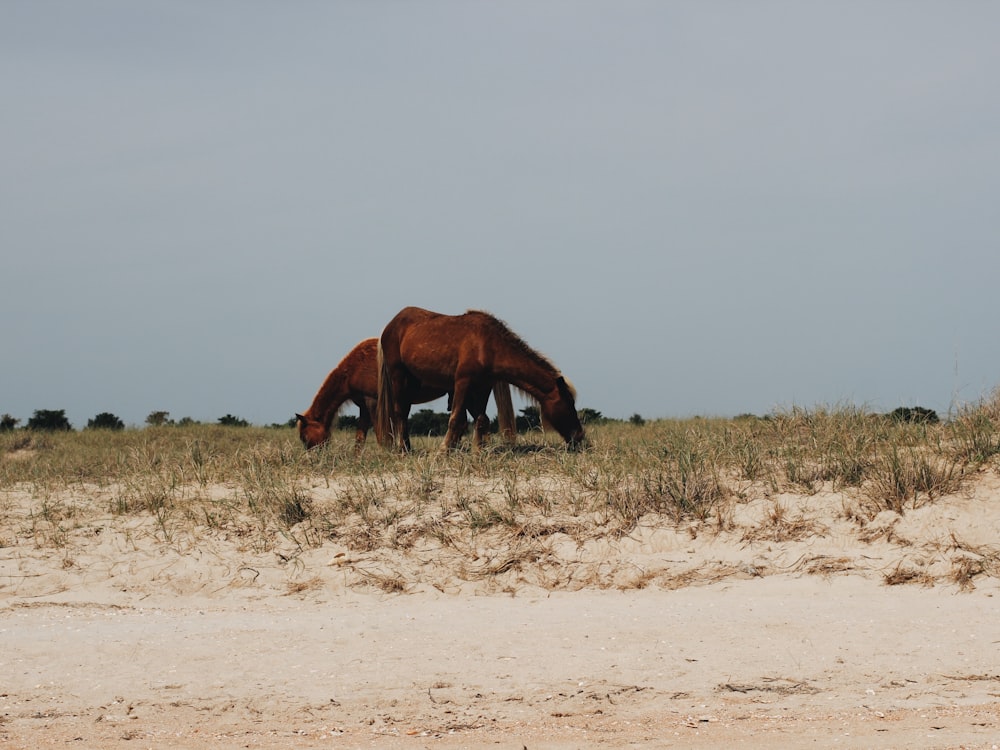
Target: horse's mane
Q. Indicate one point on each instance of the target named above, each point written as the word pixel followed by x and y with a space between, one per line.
pixel 513 340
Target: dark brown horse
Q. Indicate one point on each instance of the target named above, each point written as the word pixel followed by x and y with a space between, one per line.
pixel 356 379
pixel 466 355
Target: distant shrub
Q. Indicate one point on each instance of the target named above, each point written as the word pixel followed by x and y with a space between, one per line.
pixel 230 421
pixel 50 420
pixel 105 421
pixel 637 420
pixel 914 414
pixel 590 416
pixel 8 423
pixel 158 418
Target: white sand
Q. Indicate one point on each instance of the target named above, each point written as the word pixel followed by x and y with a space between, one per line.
pixel 114 640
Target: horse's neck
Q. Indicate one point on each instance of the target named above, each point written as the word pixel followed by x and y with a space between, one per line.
pixel 531 377
pixel 331 395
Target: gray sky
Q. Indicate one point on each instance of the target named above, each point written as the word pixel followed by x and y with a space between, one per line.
pixel 690 207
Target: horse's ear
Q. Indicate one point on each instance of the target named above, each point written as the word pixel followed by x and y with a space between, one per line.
pixel 299 417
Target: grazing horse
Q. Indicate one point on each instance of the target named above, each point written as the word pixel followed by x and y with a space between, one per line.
pixel 356 379
pixel 466 355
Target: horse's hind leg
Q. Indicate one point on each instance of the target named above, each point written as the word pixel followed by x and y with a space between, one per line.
pixel 480 431
pixel 402 427
pixel 365 410
pixel 458 423
pixel 399 412
pixel 475 402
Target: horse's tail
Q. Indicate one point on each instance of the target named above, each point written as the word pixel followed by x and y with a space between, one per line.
pixel 505 411
pixel 385 406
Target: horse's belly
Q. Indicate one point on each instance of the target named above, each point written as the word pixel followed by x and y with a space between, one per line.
pixel 433 380
pixel 433 367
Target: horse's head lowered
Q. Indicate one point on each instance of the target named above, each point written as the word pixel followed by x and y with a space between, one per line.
pixel 559 413
pixel 312 432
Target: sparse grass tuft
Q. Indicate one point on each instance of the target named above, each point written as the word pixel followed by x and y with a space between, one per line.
pixel 908 477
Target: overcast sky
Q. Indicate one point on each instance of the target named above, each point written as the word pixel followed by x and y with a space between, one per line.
pixel 691 207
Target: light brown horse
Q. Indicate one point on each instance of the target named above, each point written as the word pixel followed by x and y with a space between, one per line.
pixel 465 354
pixel 356 379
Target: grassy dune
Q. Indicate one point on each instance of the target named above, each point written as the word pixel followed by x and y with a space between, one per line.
pixel 494 515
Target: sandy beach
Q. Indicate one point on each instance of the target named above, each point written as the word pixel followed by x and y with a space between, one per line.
pixel 883 634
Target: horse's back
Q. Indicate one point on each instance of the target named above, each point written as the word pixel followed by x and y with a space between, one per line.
pixel 407 318
pixel 360 367
pixel 433 344
pixel 426 324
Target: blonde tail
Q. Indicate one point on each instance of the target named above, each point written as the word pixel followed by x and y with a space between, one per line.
pixel 384 408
